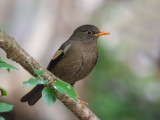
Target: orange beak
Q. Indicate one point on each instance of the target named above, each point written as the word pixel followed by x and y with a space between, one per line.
pixel 101 33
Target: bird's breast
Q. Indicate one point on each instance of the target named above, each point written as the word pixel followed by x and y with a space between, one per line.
pixel 89 59
pixel 76 64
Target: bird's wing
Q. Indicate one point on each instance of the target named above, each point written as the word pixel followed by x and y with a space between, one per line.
pixel 59 55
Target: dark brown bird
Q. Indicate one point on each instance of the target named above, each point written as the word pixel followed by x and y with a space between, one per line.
pixel 74 60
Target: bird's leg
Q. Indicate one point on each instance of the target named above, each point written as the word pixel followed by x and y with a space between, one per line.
pixel 78 97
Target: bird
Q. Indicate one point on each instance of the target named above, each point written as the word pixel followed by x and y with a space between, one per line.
pixel 73 61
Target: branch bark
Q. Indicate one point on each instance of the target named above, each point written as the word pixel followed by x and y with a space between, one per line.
pixel 19 55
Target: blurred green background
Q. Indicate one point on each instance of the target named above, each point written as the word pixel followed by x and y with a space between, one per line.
pixel 125 83
pixel 119 94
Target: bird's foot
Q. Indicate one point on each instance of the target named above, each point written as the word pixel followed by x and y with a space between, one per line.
pixel 82 102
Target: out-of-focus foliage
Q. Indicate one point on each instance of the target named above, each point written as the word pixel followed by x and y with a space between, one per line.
pixel 117 93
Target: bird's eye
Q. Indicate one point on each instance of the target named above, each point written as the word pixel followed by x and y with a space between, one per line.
pixel 89 32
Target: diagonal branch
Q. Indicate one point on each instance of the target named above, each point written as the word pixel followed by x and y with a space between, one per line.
pixel 18 54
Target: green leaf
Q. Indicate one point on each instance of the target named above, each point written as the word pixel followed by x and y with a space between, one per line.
pixel 34 81
pixel 39 72
pixel 6 66
pixel 65 88
pixel 49 95
pixel 4 107
pixel 2 118
pixel 3 91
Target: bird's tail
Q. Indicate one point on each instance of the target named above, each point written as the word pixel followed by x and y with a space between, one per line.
pixel 34 95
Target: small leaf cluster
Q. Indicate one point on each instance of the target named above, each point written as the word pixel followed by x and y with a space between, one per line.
pixel 4 107
pixel 6 65
pixel 48 94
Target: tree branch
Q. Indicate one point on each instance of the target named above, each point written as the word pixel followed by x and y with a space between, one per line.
pixel 18 54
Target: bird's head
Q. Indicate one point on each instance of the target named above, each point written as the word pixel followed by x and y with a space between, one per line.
pixel 88 33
